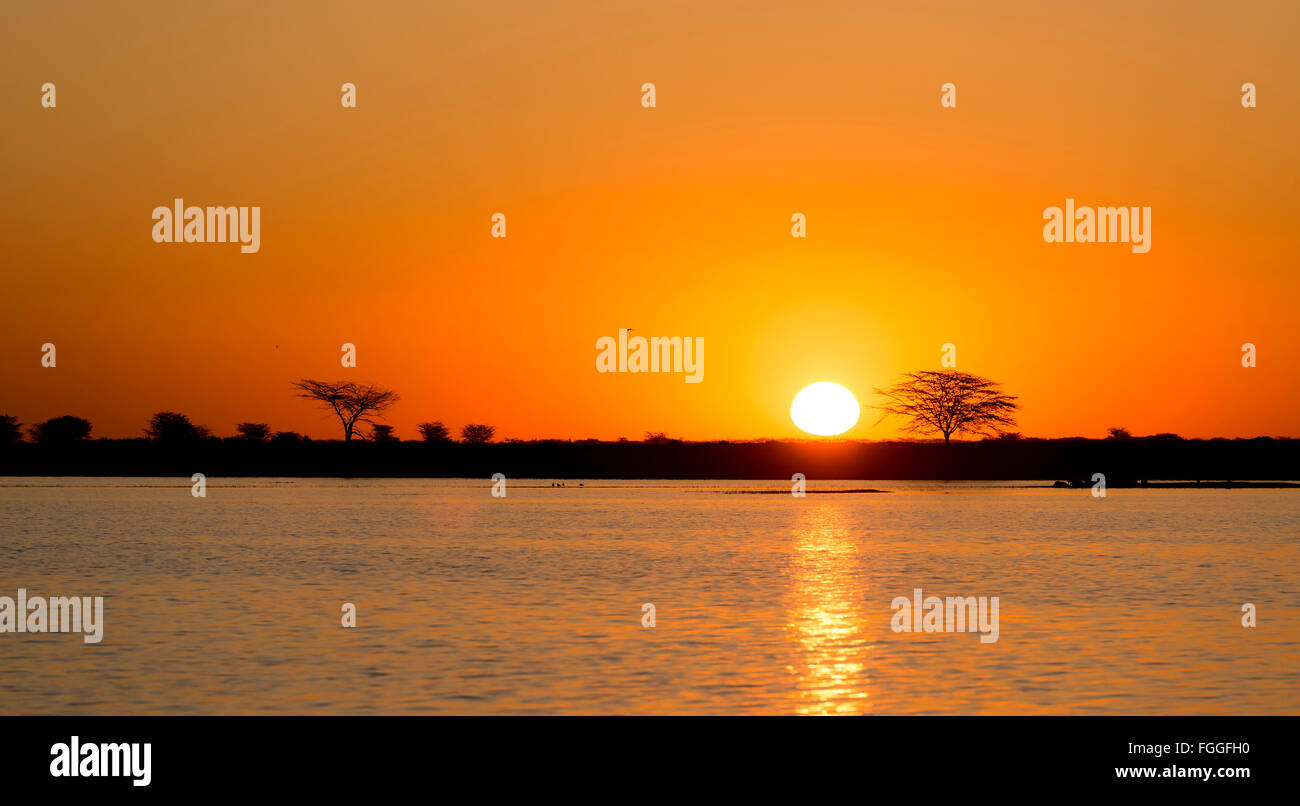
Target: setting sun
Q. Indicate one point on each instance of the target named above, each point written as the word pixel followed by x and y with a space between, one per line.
pixel 825 409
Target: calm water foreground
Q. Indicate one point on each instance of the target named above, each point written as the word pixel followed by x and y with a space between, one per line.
pixel 531 604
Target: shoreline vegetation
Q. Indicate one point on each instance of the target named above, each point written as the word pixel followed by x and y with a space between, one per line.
pixel 930 403
pixel 1070 462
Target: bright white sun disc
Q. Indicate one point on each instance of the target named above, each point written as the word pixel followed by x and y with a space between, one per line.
pixel 825 409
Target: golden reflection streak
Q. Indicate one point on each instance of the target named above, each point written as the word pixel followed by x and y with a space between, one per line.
pixel 827 617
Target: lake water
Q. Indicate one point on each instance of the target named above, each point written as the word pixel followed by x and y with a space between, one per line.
pixel 532 604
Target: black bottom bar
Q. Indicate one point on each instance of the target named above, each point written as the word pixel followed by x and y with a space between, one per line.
pixel 615 757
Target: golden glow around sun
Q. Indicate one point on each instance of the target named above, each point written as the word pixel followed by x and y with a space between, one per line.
pixel 825 409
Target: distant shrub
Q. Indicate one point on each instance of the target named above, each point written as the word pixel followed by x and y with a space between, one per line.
pixel 61 430
pixel 434 431
pixel 477 433
pixel 171 426
pixel 254 432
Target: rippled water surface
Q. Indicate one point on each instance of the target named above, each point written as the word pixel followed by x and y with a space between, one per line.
pixel 532 604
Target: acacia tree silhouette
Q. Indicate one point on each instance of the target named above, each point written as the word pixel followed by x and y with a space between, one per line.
pixel 353 403
pixel 949 402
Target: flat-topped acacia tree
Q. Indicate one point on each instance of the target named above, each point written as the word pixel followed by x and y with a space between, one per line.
pixel 948 402
pixel 353 403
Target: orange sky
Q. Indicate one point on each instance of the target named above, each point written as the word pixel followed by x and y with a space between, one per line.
pixel 924 223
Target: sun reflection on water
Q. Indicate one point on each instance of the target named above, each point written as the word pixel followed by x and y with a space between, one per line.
pixel 827 616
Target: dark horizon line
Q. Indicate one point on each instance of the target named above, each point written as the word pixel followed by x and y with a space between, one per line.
pixel 294 437
pixel 1123 462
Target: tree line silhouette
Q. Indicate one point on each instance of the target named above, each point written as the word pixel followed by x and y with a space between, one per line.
pixel 937 404
pixel 945 402
pixel 354 404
